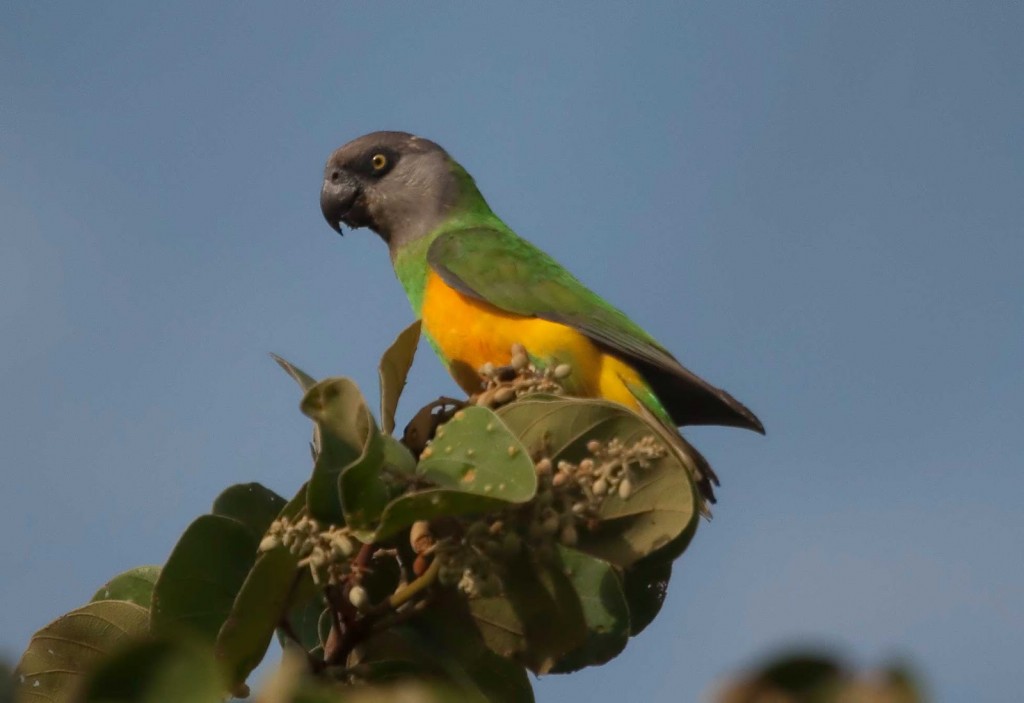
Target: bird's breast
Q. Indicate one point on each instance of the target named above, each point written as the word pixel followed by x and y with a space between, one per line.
pixel 469 333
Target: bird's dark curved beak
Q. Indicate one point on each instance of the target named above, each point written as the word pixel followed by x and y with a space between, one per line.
pixel 337 196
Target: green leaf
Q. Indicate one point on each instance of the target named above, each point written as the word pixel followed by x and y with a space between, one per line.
pixel 453 638
pixel 478 465
pixel 663 504
pixel 430 504
pixel 6 683
pixel 252 504
pixel 393 370
pixel 301 377
pixel 397 457
pixel 442 644
pixel 475 452
pixel 197 587
pixel 157 671
pixel 257 610
pixel 59 655
pixel 604 609
pixel 347 486
pixel 645 585
pixel 307 605
pixel 537 620
pixel 134 586
pixel 296 505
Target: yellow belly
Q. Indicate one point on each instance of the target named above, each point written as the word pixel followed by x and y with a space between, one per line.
pixel 471 333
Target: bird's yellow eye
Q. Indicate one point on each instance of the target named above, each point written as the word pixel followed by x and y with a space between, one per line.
pixel 379 161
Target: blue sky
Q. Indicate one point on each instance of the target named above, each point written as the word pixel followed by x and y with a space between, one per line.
pixel 815 205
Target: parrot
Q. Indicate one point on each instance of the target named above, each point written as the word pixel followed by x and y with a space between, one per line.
pixel 480 290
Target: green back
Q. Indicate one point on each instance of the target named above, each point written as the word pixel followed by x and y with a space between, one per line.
pixel 478 255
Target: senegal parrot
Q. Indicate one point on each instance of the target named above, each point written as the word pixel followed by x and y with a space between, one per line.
pixel 479 289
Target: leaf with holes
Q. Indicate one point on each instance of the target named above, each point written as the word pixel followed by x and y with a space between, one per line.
pixel 477 466
pixel 475 452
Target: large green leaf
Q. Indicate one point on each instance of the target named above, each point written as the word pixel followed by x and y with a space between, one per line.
pixel 663 502
pixel 347 486
pixel 604 609
pixel 252 504
pixel 157 671
pixel 537 620
pixel 645 582
pixel 58 656
pixel 393 370
pixel 197 587
pixel 454 639
pixel 305 609
pixel 478 465
pixel 442 644
pixel 296 505
pixel 475 452
pixel 134 586
pixel 645 585
pixel 257 610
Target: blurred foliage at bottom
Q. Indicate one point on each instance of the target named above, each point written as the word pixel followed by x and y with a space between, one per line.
pixel 812 677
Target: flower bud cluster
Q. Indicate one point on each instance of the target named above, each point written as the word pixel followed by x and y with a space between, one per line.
pixel 503 384
pixel 326 551
pixel 570 495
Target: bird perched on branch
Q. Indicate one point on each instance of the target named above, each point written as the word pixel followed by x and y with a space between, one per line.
pixel 479 289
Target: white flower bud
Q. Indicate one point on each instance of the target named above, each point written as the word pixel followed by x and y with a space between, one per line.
pixel 625 489
pixel 504 395
pixel 343 544
pixel 358 597
pixel 420 537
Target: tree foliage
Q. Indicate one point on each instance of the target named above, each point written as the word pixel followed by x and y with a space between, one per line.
pixel 519 530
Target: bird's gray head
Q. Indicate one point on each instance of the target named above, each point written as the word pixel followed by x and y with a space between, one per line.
pixel 399 185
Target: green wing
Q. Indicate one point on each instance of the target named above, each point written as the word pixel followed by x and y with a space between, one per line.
pixel 502 269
